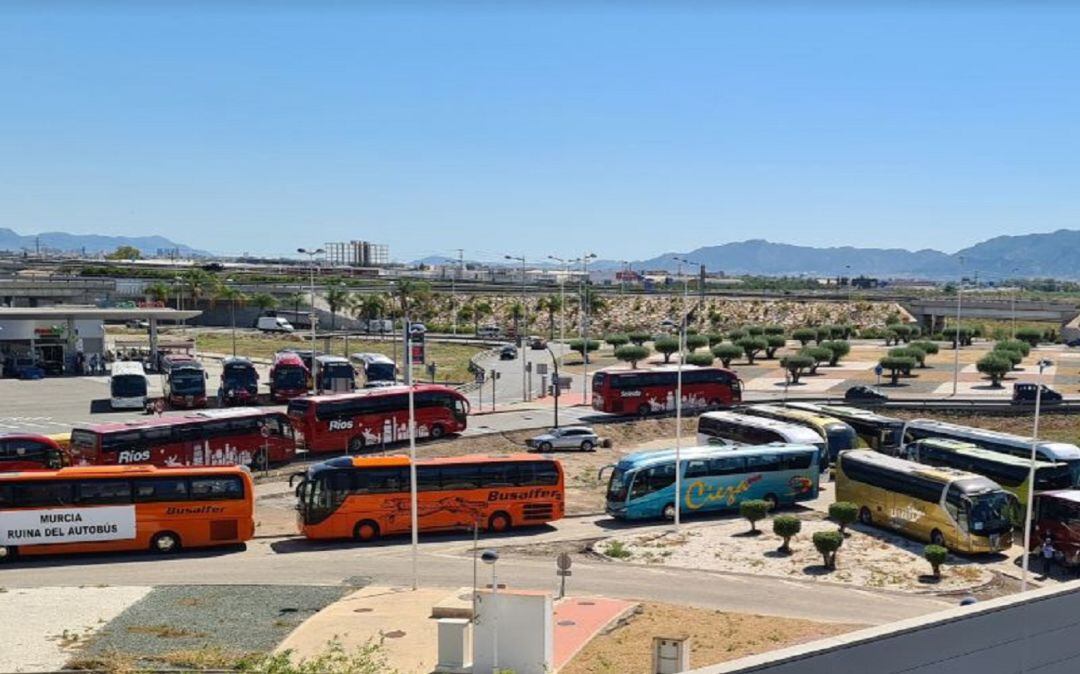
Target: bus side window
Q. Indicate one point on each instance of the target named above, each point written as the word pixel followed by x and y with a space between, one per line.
pixel 696 468
pixel 217 488
pixel 6 499
pixel 43 493
pixel 104 492
pixel 153 489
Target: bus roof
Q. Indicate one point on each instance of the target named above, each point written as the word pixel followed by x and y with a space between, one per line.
pixel 371 358
pixel 381 391
pixel 288 358
pixel 126 367
pixel 119 471
pixel 807 416
pixel 1072 495
pixel 961 447
pixel 1061 451
pixel 174 419
pixel 403 460
pixel 665 368
pixel 658 456
pixel 844 412
pixel 792 432
pixel 331 360
pixel 969 482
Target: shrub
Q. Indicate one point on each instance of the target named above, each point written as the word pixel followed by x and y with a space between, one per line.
pixel 871 333
pixel 753 510
pixel 827 543
pixel 695 342
pixel 580 346
pixel 1014 357
pixel 703 359
pixel 772 344
pixel 751 347
pixel 796 365
pixel 714 338
pixel 909 351
pixel 666 346
pixel 838 349
pixel 774 329
pixel 928 347
pixel 727 353
pixel 631 353
pixel 896 365
pixel 1030 335
pixel 995 365
pixel 617 550
pixel 804 335
pixel 736 334
pixel 843 513
pixel 755 330
pixel 638 337
pixel 616 340
pixel 786 527
pixel 903 331
pixel 891 337
pixel 820 355
pixel 936 555
pixel 1018 345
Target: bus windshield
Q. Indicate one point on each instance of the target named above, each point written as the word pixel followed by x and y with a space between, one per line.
pixel 380 372
pixel 290 378
pixel 188 381
pixel 337 371
pixel 1053 477
pixel 618 485
pixel 989 513
pixel 128 386
pixel 239 376
pixel 841 437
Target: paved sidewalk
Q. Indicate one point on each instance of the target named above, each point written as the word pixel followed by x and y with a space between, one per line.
pixel 578 620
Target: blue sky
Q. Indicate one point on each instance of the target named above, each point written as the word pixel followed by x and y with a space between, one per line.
pixel 628 130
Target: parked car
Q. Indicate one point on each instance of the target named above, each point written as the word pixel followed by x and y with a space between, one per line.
pixel 565 437
pixel 865 394
pixel 1073 342
pixel 668 325
pixel 1024 394
pixel 417 328
pixel 537 343
pixel 508 352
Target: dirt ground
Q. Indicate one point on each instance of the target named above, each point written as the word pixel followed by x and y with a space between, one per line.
pixel 715 637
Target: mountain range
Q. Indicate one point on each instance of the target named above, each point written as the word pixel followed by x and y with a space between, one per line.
pixel 90 243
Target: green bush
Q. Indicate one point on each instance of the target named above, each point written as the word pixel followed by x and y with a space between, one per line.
pixel 1017 345
pixel 786 527
pixel 579 346
pixel 703 359
pixel 903 331
pixel 666 346
pixel 843 513
pixel 774 329
pixel 936 555
pixel 727 353
pixel 797 365
pixel 909 351
pixel 838 349
pixel 995 365
pixel 897 365
pixel 872 333
pixel 804 335
pixel 736 334
pixel 819 353
pixel 828 543
pixel 631 353
pixel 695 342
pixel 618 339
pixel 772 344
pixel 927 347
pixel 755 330
pixel 714 338
pixel 751 347
pixel 1014 357
pixel 638 337
pixel 1030 335
pixel 753 510
pixel 617 550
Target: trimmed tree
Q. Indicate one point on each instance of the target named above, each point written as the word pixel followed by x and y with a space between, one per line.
pixel 638 337
pixel 909 351
pixel 796 365
pixel 695 342
pixel 994 365
pixel 1013 357
pixel 928 347
pixel 1031 336
pixel 617 339
pixel 703 359
pixel 804 335
pixel 820 355
pixel 714 338
pixel 843 513
pixel 736 334
pixel 903 331
pixel 896 366
pixel 753 510
pixel 755 330
pixel 1014 345
pixel 579 346
pixel 828 543
pixel 936 555
pixel 774 329
pixel 632 353
pixel 838 348
pixel 891 337
pixel 727 353
pixel 666 346
pixel 786 527
pixel 773 343
pixel 751 347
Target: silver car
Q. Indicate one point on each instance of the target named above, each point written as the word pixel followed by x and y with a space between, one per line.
pixel 565 437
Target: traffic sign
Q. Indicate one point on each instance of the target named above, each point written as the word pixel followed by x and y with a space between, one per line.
pixel 564 561
pixel 541 368
pixel 480 376
pixel 878 370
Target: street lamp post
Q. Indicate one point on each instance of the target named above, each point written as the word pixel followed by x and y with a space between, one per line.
pixel 314 363
pixel 1043 364
pixel 555 365
pixel 585 326
pixel 562 297
pixel 956 351
pixel 678 397
pixel 489 557
pixel 524 328
pixel 1013 303
pixel 232 312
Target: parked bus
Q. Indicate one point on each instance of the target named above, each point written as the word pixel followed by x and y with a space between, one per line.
pixel 645 392
pixel 289 377
pixel 961 511
pixel 368 497
pixel 376 416
pixel 336 375
pixel 1057 514
pixel 877 431
pixel 1011 472
pixel 239 382
pixel 838 436
pixel 113 508
pixel 376 368
pixel 30 452
pixel 642 485
pixel 127 385
pixel 204 438
pixel 1005 443
pixel 732 428
pixel 185 382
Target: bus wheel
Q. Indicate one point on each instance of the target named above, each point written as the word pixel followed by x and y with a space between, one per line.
pixel 774 503
pixel 260 461
pixel 165 543
pixel 356 444
pixel 668 512
pixel 643 410
pixel 366 531
pixel 437 431
pixel 865 517
pixel 499 522
pixel 937 538
pixel 8 553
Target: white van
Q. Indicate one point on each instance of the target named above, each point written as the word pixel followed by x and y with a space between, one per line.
pixel 489 332
pixel 273 324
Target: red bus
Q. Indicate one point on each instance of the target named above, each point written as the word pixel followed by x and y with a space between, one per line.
pixel 354 421
pixel 205 438
pixel 645 392
pixel 289 377
pixel 30 452
pixel 367 497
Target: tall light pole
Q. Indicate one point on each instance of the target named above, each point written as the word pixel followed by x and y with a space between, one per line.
pixel 1013 303
pixel 453 290
pixel 956 351
pixel 585 325
pixel 678 395
pixel 312 253
pixel 524 327
pixel 232 312
pixel 489 557
pixel 562 297
pixel 1043 363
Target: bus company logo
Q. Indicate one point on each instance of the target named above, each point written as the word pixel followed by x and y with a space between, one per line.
pixel 801 485
pixel 630 394
pixel 194 510
pixel 496 495
pixel 133 456
pixel 908 513
pixel 702 493
pixel 341 424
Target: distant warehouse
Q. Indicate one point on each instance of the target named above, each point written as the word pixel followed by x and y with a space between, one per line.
pixel 357 254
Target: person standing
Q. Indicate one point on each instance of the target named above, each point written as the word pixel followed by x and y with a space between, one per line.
pixel 1047 554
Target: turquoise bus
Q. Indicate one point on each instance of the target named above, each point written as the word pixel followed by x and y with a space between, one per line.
pixel 642 485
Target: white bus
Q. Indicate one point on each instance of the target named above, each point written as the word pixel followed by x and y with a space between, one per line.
pixel 723 428
pixel 127 386
pixel 1005 443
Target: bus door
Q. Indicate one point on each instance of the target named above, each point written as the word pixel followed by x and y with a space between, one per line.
pixel 650 491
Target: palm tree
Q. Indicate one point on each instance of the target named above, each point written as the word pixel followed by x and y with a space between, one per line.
pixel 516 312
pixel 550 304
pixel 233 296
pixel 199 283
pixel 338 297
pixel 466 314
pixel 411 294
pixel 294 298
pixel 264 301
pixel 481 310
pixel 370 306
pixel 157 291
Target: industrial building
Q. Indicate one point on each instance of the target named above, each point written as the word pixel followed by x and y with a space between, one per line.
pixel 357 254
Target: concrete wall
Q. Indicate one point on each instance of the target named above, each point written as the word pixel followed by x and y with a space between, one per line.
pixel 1037 632
pixel 523 620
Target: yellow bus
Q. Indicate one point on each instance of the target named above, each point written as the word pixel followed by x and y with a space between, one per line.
pixel 1011 472
pixel 876 431
pixel 837 435
pixel 961 511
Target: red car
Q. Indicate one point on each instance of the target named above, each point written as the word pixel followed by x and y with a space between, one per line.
pixel 29 452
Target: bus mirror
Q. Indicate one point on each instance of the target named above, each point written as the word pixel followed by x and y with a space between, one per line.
pixel 600 473
pixel 294 476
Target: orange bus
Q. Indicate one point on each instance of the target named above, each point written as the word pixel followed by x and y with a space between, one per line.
pixel 107 508
pixel 368 497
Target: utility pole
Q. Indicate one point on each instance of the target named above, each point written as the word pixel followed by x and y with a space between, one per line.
pixel 453 290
